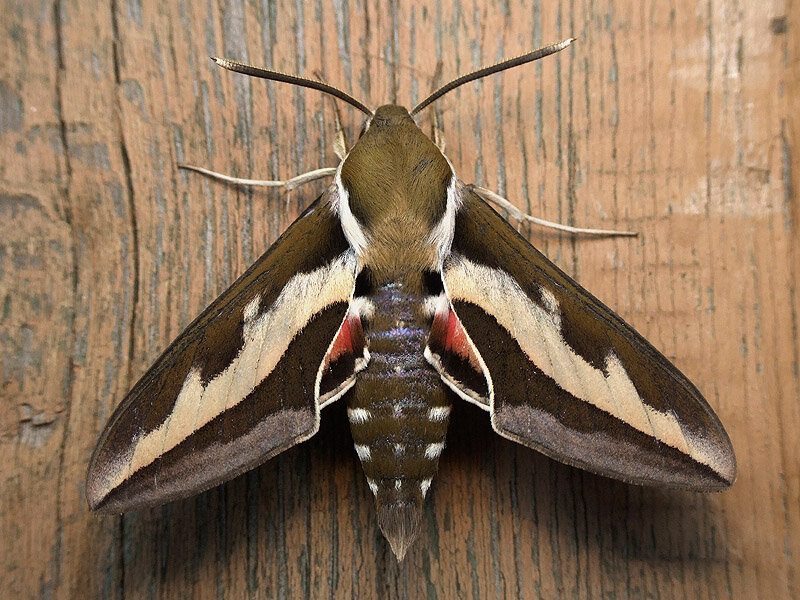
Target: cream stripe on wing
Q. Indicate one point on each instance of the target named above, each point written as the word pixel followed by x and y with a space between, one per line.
pixel 537 329
pixel 212 400
pixel 265 339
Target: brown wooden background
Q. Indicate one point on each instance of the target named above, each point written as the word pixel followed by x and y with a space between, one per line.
pixel 677 119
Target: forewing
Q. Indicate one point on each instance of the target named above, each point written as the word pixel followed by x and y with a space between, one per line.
pixel 564 374
pixel 243 382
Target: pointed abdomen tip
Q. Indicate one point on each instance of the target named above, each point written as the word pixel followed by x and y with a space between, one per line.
pixel 399 523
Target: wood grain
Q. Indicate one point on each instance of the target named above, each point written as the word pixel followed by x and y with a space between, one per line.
pixel 678 120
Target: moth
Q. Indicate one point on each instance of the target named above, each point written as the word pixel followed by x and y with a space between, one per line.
pixel 399 291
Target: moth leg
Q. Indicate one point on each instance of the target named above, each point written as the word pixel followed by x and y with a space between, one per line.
pixel 288 184
pixel 339 148
pixel 437 133
pixel 490 196
pixel 340 142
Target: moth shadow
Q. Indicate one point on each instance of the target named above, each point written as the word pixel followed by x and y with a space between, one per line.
pixel 311 506
pixel 251 527
pixel 542 501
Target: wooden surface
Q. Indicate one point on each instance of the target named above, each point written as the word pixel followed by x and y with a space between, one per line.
pixel 678 120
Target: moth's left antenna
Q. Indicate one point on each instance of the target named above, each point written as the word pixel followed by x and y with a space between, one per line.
pixel 238 67
pixel 502 66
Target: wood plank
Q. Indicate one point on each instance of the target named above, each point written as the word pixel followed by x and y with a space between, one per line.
pixel 677 120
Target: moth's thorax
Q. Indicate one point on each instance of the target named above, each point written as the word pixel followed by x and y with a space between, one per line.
pixel 396 183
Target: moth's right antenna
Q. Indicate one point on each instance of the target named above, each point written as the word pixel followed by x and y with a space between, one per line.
pixel 238 67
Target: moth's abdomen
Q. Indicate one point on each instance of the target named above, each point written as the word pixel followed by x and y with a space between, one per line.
pixel 398 412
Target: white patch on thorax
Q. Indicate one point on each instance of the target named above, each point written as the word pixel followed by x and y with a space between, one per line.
pixel 442 234
pixel 350 226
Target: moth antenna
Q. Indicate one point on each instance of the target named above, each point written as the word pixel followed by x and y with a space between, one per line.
pixel 501 66
pixel 238 67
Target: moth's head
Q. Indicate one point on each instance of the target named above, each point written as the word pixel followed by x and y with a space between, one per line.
pixel 387 117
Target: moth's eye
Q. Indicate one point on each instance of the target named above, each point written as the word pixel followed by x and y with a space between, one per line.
pixel 432 283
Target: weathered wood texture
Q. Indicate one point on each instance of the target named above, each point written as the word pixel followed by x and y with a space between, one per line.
pixel 679 120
